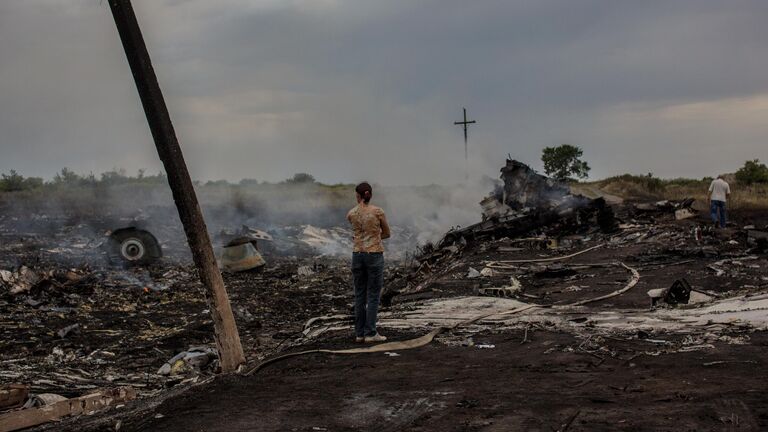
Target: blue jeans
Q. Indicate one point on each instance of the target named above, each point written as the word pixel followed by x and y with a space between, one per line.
pixel 713 211
pixel 368 274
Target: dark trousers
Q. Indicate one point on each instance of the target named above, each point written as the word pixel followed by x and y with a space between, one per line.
pixel 368 275
pixel 713 211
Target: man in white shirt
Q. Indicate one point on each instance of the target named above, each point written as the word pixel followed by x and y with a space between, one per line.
pixel 719 191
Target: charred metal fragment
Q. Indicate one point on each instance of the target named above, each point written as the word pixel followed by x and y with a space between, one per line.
pixel 261 240
pixel 681 209
pixel 525 188
pixel 679 292
pixel 241 257
pixel 241 251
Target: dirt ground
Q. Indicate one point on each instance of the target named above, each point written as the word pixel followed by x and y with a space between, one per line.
pixel 512 386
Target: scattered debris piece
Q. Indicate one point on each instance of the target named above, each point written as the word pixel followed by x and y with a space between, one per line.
pixel 472 273
pixel 509 291
pixel 485 346
pixel 195 358
pixel 678 293
pixel 241 257
pixel 656 295
pixel 20 281
pixel 684 213
pixel 241 251
pixel 244 235
pixel 88 404
pixel 67 330
pixel 13 395
pixel 43 399
pixel 305 271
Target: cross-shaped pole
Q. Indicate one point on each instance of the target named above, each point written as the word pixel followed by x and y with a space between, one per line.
pixel 466 154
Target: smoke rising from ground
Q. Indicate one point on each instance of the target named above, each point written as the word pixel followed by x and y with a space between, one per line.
pixel 418 214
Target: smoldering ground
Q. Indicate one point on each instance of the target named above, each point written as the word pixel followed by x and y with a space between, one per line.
pixel 63 214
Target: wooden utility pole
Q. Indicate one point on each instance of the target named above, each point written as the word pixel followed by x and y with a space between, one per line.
pixel 227 339
pixel 466 153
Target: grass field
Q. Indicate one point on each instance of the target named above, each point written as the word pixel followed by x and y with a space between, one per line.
pixel 641 188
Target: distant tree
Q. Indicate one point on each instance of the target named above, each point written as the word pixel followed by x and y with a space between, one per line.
pixel 301 178
pixel 159 178
pixel 116 176
pixel 752 172
pixel 249 182
pixel 12 181
pixel 89 180
pixel 564 162
pixel 217 183
pixel 33 183
pixel 653 184
pixel 66 176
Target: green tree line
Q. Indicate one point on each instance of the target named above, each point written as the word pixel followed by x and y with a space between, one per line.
pixel 14 182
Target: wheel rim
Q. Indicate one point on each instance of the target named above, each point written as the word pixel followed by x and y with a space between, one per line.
pixel 132 249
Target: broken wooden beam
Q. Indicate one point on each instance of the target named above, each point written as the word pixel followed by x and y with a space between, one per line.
pixel 88 404
pixel 13 395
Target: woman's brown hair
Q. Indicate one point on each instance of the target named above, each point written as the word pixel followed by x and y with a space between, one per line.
pixel 365 191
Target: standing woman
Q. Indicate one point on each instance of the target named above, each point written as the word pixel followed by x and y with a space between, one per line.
pixel 370 227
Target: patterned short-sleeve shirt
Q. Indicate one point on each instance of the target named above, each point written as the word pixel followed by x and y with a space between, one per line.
pixel 366 226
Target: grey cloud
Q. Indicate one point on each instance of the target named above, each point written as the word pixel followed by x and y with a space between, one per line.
pixel 359 89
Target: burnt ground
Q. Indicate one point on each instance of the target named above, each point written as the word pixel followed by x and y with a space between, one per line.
pixel 129 321
pixel 132 321
pixel 538 385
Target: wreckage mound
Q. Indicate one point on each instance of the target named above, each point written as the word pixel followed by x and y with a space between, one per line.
pixel 540 243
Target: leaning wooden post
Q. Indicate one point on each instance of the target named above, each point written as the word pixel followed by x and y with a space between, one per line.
pixel 227 338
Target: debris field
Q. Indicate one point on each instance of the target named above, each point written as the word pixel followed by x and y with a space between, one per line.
pixel 554 312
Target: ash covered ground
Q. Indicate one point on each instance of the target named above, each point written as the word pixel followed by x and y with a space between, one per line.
pixel 540 315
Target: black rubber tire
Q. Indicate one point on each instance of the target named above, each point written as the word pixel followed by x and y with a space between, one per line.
pixel 133 246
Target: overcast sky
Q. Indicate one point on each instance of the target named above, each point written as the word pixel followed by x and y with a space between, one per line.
pixel 353 89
